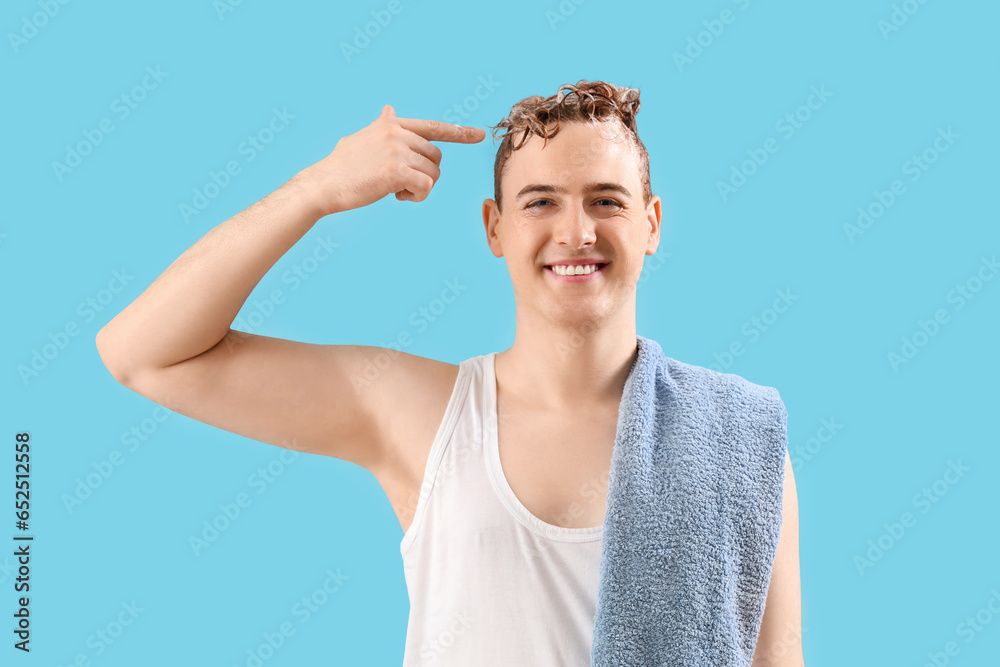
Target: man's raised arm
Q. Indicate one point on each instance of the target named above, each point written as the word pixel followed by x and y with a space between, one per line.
pixel 174 343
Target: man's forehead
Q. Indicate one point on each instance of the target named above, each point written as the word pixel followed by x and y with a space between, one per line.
pixel 581 141
pixel 576 150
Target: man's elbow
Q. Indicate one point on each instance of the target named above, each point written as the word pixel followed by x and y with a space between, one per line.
pixel 105 351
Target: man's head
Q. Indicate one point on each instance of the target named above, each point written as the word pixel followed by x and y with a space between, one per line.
pixel 586 102
pixel 574 189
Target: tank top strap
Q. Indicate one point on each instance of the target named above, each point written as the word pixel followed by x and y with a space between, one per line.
pixel 469 378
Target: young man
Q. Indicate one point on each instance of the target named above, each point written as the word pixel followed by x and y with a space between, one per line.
pixel 497 467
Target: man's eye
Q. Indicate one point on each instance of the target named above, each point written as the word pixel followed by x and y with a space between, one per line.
pixel 603 202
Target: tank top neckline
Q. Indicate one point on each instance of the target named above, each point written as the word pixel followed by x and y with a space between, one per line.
pixel 491 445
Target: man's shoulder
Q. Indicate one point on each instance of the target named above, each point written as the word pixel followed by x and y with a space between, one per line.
pixel 693 376
pixel 684 369
pixel 729 388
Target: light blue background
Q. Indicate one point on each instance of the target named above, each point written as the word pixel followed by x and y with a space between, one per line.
pixel 720 264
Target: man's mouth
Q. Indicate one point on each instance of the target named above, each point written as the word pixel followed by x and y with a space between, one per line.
pixel 571 270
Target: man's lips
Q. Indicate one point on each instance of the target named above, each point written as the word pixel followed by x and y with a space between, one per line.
pixel 576 262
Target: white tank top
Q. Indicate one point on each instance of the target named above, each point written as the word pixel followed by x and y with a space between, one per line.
pixel 489 583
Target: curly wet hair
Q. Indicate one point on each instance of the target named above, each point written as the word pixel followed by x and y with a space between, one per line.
pixel 587 101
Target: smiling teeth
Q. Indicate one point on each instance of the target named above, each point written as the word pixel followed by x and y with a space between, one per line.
pixel 580 269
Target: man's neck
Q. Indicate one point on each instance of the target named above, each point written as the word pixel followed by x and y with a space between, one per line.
pixel 560 370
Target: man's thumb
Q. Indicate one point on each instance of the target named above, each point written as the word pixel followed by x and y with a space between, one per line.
pixel 387 111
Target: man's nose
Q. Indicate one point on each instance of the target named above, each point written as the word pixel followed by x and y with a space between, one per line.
pixel 574 227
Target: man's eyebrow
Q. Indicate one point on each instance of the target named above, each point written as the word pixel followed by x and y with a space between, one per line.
pixel 590 187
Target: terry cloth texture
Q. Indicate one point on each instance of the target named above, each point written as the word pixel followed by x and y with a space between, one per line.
pixel 693 516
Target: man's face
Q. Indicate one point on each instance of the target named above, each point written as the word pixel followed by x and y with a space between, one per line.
pixel 573 219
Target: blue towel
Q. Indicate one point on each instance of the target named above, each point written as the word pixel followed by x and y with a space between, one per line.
pixel 693 516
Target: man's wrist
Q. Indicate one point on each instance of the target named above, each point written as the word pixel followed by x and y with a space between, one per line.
pixel 302 188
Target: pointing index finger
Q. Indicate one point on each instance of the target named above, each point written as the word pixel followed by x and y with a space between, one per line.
pixel 434 130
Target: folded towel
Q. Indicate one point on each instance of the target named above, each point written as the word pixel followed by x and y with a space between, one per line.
pixel 693 516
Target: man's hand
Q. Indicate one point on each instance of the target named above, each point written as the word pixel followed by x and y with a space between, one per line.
pixel 391 154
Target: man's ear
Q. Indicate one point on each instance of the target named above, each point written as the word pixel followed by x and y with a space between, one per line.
pixel 491 221
pixel 653 216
